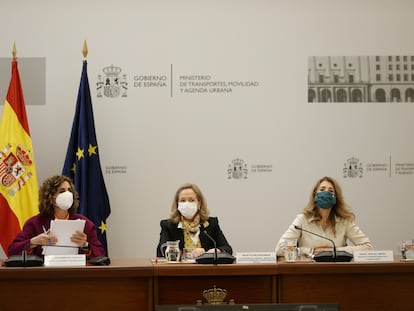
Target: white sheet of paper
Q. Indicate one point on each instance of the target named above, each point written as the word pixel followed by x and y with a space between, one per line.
pixel 63 230
pixel 256 257
pixel 59 250
pixel 374 255
pixel 65 260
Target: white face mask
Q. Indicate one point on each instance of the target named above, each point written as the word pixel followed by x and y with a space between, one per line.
pixel 188 209
pixel 64 200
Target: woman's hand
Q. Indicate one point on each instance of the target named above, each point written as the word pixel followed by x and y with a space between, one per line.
pixel 79 238
pixel 211 250
pixel 198 251
pixel 43 239
pixel 317 250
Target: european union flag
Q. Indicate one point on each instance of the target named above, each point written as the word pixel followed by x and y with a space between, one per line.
pixel 82 162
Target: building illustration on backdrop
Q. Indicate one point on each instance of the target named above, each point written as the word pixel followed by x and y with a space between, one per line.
pixel 360 79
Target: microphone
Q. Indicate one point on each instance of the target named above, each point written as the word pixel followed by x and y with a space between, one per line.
pixel 24 260
pixel 321 236
pixel 333 256
pixel 215 258
pixel 215 245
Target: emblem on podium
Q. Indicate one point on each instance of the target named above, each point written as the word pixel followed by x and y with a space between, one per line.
pixel 215 296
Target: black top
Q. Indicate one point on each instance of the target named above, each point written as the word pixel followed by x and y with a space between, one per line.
pixel 170 232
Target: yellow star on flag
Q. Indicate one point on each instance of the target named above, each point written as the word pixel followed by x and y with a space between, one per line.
pixel 74 168
pixel 79 153
pixel 102 227
pixel 92 149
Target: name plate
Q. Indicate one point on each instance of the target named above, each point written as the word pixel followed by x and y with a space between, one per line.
pixel 65 260
pixel 253 257
pixel 373 256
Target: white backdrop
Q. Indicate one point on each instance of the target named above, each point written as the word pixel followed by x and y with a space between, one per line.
pixel 162 137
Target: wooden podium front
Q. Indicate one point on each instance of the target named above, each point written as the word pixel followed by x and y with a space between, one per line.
pixel 140 284
pixel 185 283
pixel 124 285
pixel 355 286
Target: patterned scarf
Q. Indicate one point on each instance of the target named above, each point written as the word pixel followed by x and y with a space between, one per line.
pixel 191 226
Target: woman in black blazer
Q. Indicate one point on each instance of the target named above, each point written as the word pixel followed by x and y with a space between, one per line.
pixel 190 223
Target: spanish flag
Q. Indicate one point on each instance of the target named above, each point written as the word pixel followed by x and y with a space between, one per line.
pixel 18 178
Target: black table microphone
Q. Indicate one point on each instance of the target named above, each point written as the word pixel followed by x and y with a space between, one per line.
pixel 333 256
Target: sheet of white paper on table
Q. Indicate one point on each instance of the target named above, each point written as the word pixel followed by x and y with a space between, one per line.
pixel 63 230
pixel 255 257
pixel 65 260
pixel 59 250
pixel 373 256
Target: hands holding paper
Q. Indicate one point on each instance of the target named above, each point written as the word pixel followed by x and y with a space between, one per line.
pixel 43 239
pixel 79 238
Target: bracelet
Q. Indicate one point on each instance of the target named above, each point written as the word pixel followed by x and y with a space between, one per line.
pixel 86 247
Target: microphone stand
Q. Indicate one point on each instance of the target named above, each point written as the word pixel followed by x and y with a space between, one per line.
pixel 215 246
pixel 323 237
pixel 222 258
pixel 24 257
pixel 340 256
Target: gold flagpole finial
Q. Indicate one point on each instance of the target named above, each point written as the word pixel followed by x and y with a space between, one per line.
pixel 14 52
pixel 85 49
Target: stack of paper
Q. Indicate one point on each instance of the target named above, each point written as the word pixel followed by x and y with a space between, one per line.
pixel 63 230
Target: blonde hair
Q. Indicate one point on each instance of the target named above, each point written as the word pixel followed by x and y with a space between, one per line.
pixel 175 215
pixel 341 209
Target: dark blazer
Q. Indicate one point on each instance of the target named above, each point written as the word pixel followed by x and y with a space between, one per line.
pixel 170 232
